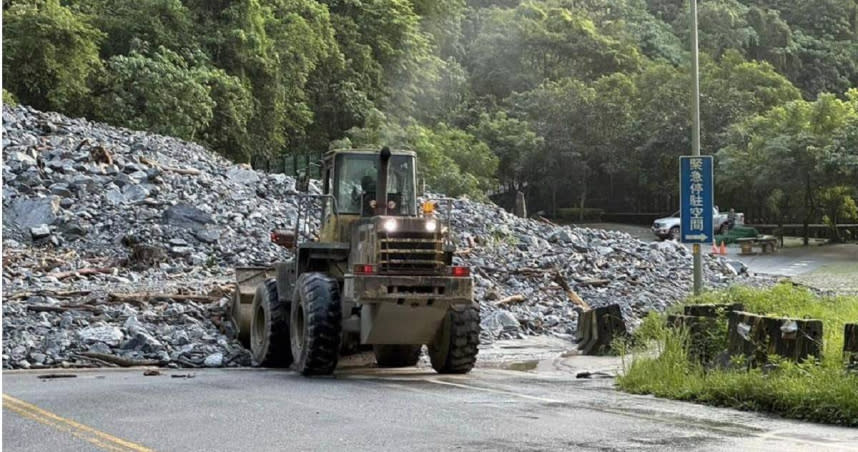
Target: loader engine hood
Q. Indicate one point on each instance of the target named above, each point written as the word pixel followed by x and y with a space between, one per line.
pixel 408 245
pixel 400 245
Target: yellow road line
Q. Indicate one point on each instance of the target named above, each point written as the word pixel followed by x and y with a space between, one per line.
pixel 96 437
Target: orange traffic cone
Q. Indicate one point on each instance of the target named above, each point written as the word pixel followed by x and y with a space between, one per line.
pixel 714 248
pixel 723 249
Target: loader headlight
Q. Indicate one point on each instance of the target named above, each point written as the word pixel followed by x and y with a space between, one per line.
pixel 431 225
pixel 390 225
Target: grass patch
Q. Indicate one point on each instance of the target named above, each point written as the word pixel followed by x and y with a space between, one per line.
pixel 821 392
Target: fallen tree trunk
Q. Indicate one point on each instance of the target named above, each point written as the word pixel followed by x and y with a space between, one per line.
pixel 172 169
pixel 518 298
pixel 81 272
pixel 138 298
pixel 62 308
pixel 594 282
pixel 571 294
pixel 49 293
pixel 118 360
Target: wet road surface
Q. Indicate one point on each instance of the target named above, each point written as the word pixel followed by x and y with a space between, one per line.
pixel 375 409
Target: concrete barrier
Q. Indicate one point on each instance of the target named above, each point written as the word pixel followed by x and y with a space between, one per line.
pixel 757 337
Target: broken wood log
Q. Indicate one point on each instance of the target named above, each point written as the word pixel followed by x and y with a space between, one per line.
pixel 571 294
pixel 118 360
pixel 48 293
pixel 81 272
pixel 594 282
pixel 172 169
pixel 139 298
pixel 63 308
pixel 94 360
pixel 518 298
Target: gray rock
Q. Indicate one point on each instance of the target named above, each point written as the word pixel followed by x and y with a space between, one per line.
pixel 40 231
pixel 560 236
pixel 186 216
pixel 114 196
pixel 134 193
pixel 22 158
pixel 61 190
pixel 214 360
pixel 243 175
pixel 142 341
pixel 107 334
pixel 32 212
pixel 207 235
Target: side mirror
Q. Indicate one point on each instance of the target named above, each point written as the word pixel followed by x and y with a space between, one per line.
pixel 302 184
pixel 421 186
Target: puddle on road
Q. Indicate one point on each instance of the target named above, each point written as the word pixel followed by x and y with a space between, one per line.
pixel 523 366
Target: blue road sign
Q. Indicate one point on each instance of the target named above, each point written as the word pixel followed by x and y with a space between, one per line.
pixel 696 199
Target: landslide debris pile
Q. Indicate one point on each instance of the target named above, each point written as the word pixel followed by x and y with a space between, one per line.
pixel 523 270
pixel 119 247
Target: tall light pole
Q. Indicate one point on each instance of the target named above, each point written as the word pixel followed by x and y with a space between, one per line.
pixel 695 134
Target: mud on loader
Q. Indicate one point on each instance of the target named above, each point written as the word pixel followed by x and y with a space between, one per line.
pixel 379 275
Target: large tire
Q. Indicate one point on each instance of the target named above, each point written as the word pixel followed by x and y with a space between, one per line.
pixel 396 355
pixel 455 348
pixel 269 327
pixel 316 320
pixel 674 234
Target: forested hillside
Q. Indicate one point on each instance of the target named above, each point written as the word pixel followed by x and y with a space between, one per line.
pixel 574 102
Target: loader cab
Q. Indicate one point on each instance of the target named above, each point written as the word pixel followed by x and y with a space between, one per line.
pixel 352 177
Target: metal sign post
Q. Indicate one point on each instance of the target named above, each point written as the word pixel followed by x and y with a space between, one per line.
pixel 695 134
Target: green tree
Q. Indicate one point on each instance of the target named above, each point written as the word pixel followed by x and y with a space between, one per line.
pixel 838 206
pixel 518 49
pixel 785 149
pixel 514 143
pixel 49 54
pixel 231 112
pixel 159 93
pixel 142 25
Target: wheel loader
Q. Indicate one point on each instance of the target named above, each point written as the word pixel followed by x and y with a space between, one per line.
pixel 378 274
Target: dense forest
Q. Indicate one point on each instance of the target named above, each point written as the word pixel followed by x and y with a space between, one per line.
pixel 576 103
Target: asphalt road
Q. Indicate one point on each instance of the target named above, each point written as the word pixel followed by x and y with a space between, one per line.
pixel 374 409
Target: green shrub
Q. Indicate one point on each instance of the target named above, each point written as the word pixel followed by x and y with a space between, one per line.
pixel 9 99
pixel 822 392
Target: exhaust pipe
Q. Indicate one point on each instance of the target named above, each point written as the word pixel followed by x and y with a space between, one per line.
pixel 381 185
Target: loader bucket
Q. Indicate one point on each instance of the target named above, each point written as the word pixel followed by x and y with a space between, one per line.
pixel 247 279
pixel 598 327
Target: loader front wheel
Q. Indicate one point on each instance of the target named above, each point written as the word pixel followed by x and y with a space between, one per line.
pixel 455 348
pixel 396 355
pixel 269 327
pixel 316 322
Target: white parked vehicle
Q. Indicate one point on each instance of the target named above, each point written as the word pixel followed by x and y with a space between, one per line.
pixel 669 227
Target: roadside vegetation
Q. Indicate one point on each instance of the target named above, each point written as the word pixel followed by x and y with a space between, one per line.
pixel 816 391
